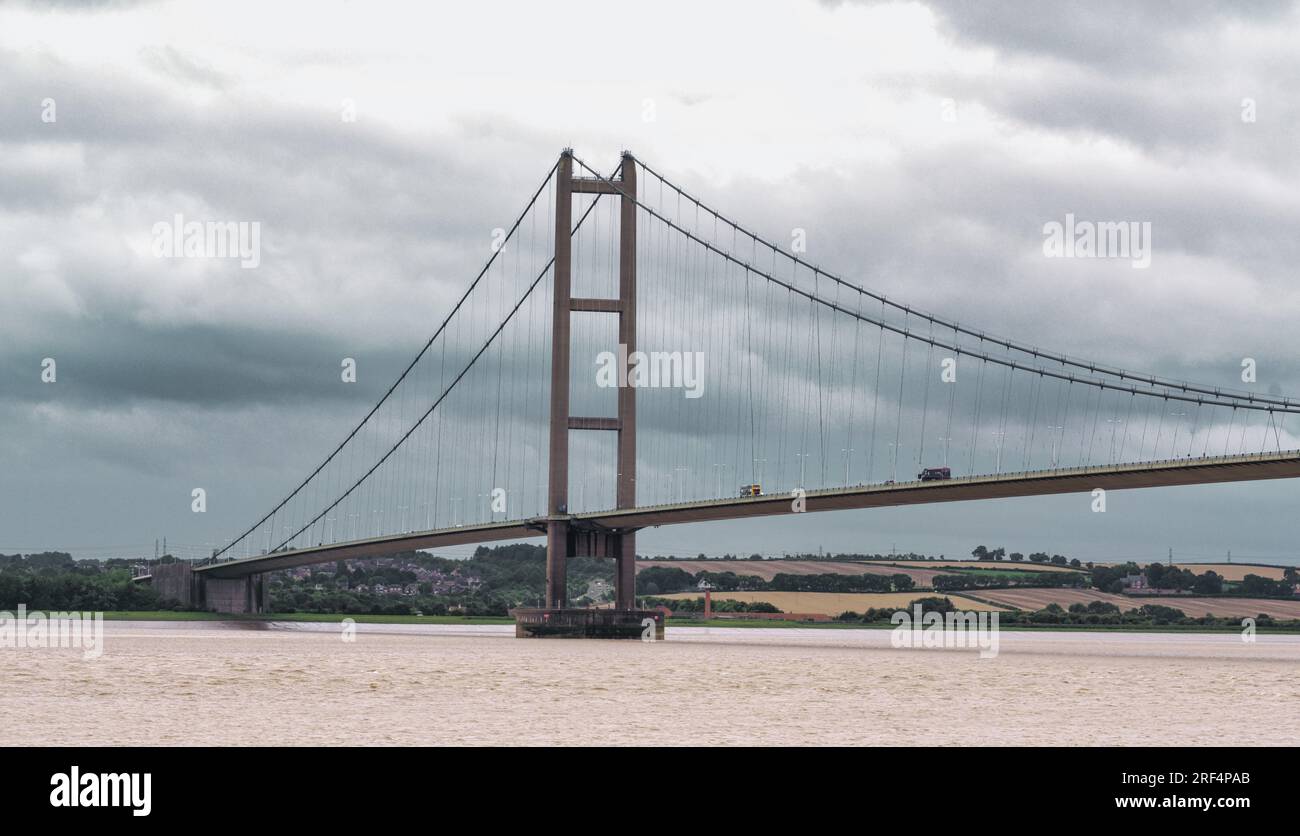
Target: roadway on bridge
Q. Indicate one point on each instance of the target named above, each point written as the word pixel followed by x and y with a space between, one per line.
pixel 1196 471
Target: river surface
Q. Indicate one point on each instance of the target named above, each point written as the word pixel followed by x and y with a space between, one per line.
pixel 223 683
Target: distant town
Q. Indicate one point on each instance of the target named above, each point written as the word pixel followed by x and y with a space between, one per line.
pixel 1037 587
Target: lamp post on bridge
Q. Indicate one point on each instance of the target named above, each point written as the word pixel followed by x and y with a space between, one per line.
pixel 1000 435
pixel 1052 429
pixel 1114 425
pixel 1173 445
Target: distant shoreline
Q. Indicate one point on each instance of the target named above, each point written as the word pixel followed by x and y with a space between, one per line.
pixel 167 615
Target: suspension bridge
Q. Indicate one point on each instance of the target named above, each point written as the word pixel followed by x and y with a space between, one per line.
pixel 630 356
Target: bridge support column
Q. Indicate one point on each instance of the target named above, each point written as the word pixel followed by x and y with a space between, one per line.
pixel 177 582
pixel 557 501
pixel 562 539
pixel 625 573
pixel 246 595
pixel 557 553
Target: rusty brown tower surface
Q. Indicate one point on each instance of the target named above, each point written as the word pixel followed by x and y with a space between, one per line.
pixel 562 539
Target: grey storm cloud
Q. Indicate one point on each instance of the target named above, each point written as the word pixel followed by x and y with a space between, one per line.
pixel 174 375
pixel 1165 76
pixel 1108 34
pixel 84 5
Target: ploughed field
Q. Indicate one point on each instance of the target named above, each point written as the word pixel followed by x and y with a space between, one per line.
pixel 921 574
pixel 1195 607
pixel 1024 565
pixel 834 603
pixel 1234 571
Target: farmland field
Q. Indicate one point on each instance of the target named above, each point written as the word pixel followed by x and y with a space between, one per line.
pixel 1036 599
pixel 1001 574
pixel 1228 571
pixel 1234 571
pixel 834 603
pixel 981 564
pixel 1230 607
pixel 768 569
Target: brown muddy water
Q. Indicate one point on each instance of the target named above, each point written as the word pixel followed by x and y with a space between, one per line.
pixel 212 683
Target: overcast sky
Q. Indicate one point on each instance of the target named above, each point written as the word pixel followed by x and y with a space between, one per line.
pixel 922 146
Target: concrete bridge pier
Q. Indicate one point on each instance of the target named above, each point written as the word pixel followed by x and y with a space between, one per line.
pixel 595 541
pixel 248 594
pixel 179 582
pixel 556 619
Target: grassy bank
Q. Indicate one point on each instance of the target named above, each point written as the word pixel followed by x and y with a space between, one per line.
pixel 388 619
pixel 164 615
pixel 168 615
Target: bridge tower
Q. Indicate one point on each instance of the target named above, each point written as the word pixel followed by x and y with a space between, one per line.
pixel 564 537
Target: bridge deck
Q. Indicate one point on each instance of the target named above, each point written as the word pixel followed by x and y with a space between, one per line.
pixel 1199 471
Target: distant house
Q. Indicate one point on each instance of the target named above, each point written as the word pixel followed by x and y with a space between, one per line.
pixel 1135 581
